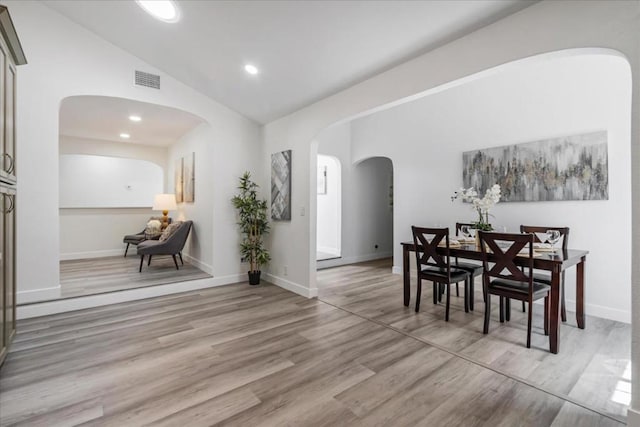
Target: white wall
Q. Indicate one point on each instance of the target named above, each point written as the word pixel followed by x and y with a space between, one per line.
pixel 199 247
pixel 88 181
pixel 70 61
pixel 98 147
pixel 90 233
pixel 95 233
pixel 554 98
pixel 367 217
pixel 330 206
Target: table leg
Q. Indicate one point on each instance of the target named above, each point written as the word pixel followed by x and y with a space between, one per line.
pixel 580 293
pixel 405 276
pixel 554 314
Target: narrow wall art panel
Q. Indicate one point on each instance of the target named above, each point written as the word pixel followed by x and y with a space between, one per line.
pixel 189 177
pixel 281 186
pixel 566 168
pixel 178 180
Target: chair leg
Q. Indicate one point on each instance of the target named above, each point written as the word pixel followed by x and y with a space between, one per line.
pixel 446 312
pixel 141 262
pixel 546 315
pixel 563 308
pixel 440 292
pixel 419 294
pixel 487 313
pixel 501 309
pixel 529 325
pixel 435 293
pixel 466 294
pixel 471 292
pixel 126 250
pixel 149 262
pixel 507 309
pixel 181 261
pixel 523 307
pixel 175 261
pixel 457 290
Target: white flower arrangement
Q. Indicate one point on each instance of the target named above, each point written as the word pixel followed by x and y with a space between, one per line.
pixel 481 206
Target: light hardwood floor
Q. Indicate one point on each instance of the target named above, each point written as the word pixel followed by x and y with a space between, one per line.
pixel 592 368
pixel 100 275
pixel 241 356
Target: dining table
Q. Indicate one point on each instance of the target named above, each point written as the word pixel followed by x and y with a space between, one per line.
pixel 555 262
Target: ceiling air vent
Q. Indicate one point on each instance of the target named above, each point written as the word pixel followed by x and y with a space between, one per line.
pixel 147 80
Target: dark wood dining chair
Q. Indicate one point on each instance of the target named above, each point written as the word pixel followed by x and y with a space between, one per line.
pixel 433 266
pixel 473 269
pixel 504 278
pixel 544 277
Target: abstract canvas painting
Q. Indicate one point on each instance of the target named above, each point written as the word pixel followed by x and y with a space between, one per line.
pixel 567 168
pixel 189 178
pixel 178 180
pixel 281 186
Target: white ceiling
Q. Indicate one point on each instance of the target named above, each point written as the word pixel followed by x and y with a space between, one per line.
pixel 102 117
pixel 305 50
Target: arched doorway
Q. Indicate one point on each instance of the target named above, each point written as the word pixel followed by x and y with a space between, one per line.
pixel 115 156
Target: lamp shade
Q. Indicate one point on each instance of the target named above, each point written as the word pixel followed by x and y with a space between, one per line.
pixel 164 202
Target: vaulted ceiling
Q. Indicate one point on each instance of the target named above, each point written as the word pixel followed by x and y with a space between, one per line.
pixel 305 50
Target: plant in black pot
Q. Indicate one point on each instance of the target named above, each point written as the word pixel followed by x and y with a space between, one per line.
pixel 252 213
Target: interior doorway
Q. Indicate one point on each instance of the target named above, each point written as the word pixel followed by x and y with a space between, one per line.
pixel 329 227
pixel 115 156
pixel 354 221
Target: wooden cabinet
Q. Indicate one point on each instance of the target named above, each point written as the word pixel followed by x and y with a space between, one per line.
pixel 11 54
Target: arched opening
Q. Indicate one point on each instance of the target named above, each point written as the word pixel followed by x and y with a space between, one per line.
pixel 329 214
pixel 366 204
pixel 115 156
pixel 561 94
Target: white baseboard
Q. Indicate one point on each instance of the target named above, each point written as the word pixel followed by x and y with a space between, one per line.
pixel 197 263
pixel 291 286
pixel 352 260
pixel 633 417
pixel 93 254
pixel 602 311
pixel 44 294
pixel 89 301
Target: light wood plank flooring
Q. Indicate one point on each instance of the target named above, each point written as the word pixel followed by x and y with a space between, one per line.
pixel 100 275
pixel 592 368
pixel 242 356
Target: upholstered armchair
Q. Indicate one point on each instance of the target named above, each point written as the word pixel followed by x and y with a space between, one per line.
pixel 135 239
pixel 172 245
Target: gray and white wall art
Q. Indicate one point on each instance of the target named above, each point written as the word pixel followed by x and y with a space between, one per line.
pixel 281 186
pixel 189 178
pixel 567 168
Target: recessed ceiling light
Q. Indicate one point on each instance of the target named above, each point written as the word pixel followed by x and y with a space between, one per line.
pixel 164 10
pixel 251 69
pixel 135 118
pixel 125 136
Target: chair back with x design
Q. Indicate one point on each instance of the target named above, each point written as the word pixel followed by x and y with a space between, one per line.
pixel 499 254
pixel 426 241
pixel 564 233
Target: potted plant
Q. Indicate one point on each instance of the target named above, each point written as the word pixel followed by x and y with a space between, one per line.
pixel 252 214
pixel 481 206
